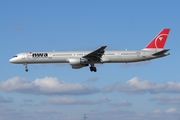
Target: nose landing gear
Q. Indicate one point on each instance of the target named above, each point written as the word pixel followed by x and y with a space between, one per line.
pixel 26 69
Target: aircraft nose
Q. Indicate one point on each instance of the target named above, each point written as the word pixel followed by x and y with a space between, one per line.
pixel 11 60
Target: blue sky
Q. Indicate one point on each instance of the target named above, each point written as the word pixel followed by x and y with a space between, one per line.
pixel 143 91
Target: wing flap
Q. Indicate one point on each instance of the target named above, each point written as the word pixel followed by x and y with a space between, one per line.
pixel 96 54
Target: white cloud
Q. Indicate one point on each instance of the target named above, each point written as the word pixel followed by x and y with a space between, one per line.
pixel 47 85
pixel 136 85
pixel 171 110
pixel 43 111
pixel 28 100
pixel 164 99
pixel 109 88
pixel 26 104
pixel 3 100
pixel 70 101
pixel 157 111
pixel 93 79
pixel 42 114
pixel 122 103
pixel 109 114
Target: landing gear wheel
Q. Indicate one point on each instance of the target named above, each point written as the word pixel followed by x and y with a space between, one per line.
pixel 26 69
pixel 93 69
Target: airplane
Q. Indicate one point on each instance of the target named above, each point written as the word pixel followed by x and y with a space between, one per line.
pixel 79 59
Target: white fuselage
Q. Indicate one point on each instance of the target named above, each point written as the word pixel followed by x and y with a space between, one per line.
pixel 110 56
pixel 79 59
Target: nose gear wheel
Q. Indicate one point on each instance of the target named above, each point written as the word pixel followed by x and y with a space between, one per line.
pixel 26 69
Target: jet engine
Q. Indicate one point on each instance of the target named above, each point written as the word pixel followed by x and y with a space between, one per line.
pixel 77 63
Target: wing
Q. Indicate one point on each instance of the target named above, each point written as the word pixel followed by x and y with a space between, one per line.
pixel 96 54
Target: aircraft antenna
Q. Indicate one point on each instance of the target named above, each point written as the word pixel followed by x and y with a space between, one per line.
pixel 85 117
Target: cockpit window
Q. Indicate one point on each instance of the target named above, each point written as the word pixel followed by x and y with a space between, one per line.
pixel 15 56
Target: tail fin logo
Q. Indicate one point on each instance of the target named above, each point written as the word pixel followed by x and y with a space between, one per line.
pixel 159 41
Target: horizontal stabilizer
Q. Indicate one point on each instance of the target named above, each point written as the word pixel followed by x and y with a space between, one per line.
pixel 161 52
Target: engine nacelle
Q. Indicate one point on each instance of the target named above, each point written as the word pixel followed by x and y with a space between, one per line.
pixel 77 63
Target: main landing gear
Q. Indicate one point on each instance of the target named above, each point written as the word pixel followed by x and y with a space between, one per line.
pixel 26 69
pixel 92 68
